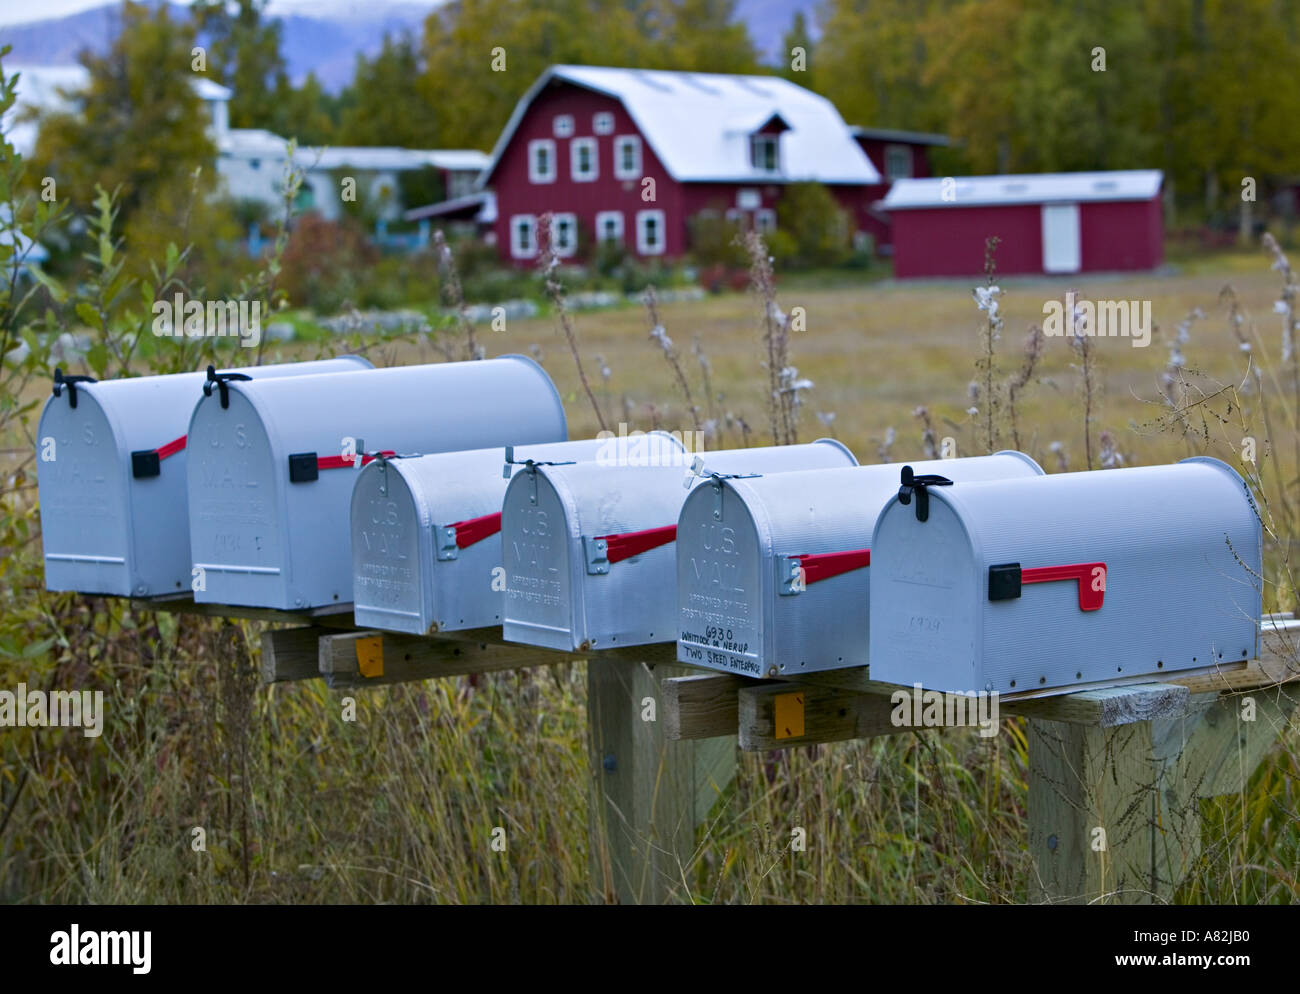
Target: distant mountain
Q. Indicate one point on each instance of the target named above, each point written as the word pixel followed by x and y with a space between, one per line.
pixel 328 40
pixel 326 44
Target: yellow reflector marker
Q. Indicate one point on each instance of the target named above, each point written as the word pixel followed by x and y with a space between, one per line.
pixel 370 656
pixel 789 716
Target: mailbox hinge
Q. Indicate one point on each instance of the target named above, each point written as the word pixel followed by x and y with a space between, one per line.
pixel 596 552
pixel 789 576
pixel 447 547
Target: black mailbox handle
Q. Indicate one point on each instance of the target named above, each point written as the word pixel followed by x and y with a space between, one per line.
pixel 61 381
pixel 220 380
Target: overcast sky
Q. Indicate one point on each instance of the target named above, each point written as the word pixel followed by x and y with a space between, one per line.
pixel 20 11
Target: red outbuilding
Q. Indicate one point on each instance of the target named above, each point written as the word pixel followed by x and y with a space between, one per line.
pixel 1045 223
pixel 631 155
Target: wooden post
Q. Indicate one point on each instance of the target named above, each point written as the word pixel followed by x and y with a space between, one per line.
pixel 648 793
pixel 1114 812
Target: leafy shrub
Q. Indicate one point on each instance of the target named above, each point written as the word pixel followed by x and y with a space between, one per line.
pixel 816 223
pixel 324 263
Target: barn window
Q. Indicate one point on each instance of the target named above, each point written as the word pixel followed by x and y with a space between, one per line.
pixel 541 161
pixel 562 126
pixel 650 232
pixel 764 151
pixel 582 160
pixel 898 162
pixel 609 227
pixel 603 123
pixel 564 234
pixel 765 220
pixel 523 236
pixel 627 157
pixel 749 200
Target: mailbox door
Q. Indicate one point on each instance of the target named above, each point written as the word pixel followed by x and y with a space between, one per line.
pixel 724 576
pixel 392 550
pixel 541 567
pixel 85 517
pixel 924 601
pixel 236 507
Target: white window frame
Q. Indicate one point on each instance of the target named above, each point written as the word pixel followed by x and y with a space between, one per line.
pixel 518 251
pixel 775 142
pixel 574 173
pixel 765 220
pixel 641 218
pixel 564 251
pixel 533 146
pixel 602 122
pixel 894 150
pixel 735 215
pixel 601 218
pixel 562 126
pixel 748 199
pixel 620 142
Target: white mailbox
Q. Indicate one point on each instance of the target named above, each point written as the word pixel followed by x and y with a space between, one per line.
pixel 110 468
pixel 426 535
pixel 1074 578
pixel 588 549
pixel 269 474
pixel 773 571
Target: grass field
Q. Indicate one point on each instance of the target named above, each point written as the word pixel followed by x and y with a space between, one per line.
pixel 299 806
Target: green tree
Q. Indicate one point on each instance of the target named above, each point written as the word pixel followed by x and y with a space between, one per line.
pixel 139 128
pixel 388 102
pixel 306 112
pixel 481 56
pixel 871 62
pixel 243 53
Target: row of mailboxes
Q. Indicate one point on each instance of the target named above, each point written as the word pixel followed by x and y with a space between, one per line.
pixel 111 461
pixel 445 497
pixel 274 463
pixel 589 549
pixel 773 571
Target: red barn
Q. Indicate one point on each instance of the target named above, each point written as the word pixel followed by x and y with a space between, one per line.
pixel 1046 223
pixel 896 155
pixel 630 155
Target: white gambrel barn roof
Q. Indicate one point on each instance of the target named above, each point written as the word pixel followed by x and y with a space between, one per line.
pixel 698 124
pixel 1029 188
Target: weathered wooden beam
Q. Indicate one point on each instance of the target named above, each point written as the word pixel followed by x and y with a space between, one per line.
pixel 1107 707
pixel 368 659
pixel 776 716
pixel 1221 742
pixel 701 707
pixel 649 793
pixel 331 616
pixel 292 653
